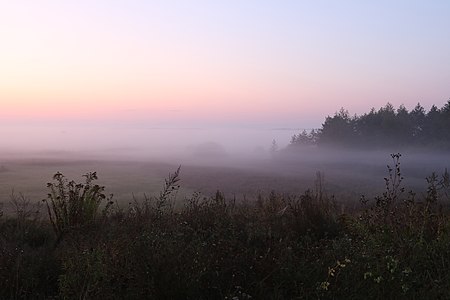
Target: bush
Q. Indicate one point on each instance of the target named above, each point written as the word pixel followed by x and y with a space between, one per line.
pixel 71 204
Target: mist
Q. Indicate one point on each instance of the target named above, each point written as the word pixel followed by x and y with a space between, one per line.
pixel 139 142
pixel 242 162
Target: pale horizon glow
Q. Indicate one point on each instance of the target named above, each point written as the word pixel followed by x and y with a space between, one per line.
pixel 204 63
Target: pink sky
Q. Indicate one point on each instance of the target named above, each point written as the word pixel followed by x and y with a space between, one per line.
pixel 195 62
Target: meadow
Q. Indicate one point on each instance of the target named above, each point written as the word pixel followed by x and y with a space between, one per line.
pixel 347 174
pixel 273 232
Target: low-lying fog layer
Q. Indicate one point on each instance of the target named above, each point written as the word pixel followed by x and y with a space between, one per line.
pixel 237 161
pixel 140 142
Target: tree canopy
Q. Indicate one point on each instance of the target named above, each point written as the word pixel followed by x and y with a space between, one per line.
pixel 385 127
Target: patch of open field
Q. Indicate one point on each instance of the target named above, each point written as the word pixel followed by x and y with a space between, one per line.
pixel 346 179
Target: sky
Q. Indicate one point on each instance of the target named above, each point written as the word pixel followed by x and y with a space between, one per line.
pixel 258 64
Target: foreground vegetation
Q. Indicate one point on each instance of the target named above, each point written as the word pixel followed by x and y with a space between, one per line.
pixel 276 247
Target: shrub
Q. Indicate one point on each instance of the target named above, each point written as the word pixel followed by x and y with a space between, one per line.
pixel 71 204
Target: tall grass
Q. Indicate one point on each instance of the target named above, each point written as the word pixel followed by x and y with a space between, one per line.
pixel 278 246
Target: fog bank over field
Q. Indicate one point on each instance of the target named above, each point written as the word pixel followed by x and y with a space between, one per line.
pixel 238 161
pixel 220 147
pixel 139 143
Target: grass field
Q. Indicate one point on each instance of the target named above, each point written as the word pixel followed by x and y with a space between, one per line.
pixel 246 242
pixel 284 245
pixel 346 178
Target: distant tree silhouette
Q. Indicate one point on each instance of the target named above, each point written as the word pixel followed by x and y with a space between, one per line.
pixel 305 138
pixel 273 147
pixel 418 118
pixel 337 130
pixel 386 127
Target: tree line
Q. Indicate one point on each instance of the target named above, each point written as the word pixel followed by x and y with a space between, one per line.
pixel 385 127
